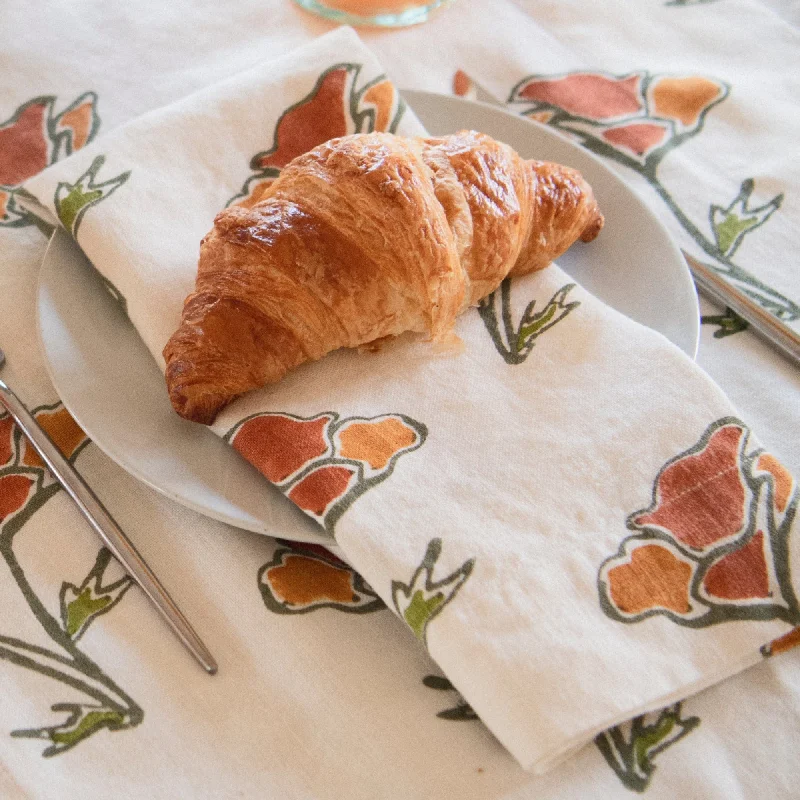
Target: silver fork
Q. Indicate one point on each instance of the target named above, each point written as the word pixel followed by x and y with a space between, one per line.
pixel 105 526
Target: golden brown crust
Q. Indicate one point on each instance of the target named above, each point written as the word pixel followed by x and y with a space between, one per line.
pixel 364 237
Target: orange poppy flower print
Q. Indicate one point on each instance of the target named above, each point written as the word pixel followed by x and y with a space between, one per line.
pixel 34 137
pixel 333 108
pixel 702 498
pixel 636 119
pixel 712 546
pixel 305 577
pixel 24 482
pixel 324 463
pixel 639 116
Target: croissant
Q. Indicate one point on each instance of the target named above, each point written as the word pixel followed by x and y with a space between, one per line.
pixel 364 237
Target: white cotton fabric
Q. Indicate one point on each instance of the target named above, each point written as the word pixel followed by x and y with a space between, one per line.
pixel 529 471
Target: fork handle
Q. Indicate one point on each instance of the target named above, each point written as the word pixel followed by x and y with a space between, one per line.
pixel 105 526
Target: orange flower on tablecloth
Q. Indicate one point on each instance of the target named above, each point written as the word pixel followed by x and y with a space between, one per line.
pixel 6 439
pixel 22 473
pixel 712 546
pixel 639 115
pixel 34 137
pixel 786 642
pixel 636 119
pixel 305 577
pixel 14 493
pixel 586 94
pixel 59 425
pixel 324 463
pixel 278 445
pixel 333 108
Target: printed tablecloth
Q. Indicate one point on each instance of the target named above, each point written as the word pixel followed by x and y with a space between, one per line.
pixel 321 693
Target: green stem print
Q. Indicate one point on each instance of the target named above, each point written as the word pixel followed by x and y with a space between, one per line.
pixel 636 120
pixel 34 137
pixel 461 711
pixel 729 323
pixel 73 200
pixel 81 605
pixel 422 599
pixel 515 342
pixel 25 486
pixel 629 749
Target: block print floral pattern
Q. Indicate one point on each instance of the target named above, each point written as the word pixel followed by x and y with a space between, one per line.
pixel 727 324
pixel 637 119
pixel 462 711
pixel 422 599
pixel 629 749
pixel 73 200
pixel 514 342
pixel 304 577
pixel 25 486
pixel 334 107
pixel 323 464
pixel 714 544
pixel 35 136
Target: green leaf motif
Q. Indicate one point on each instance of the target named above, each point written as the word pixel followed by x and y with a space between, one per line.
pixel 515 342
pixel 91 722
pixel 71 205
pixel 420 610
pixel 729 323
pixel 73 200
pixel 730 227
pixel 81 605
pixel 733 222
pixel 82 608
pixel 422 599
pixel 650 738
pixel 82 721
pixel 629 749
pixel 527 331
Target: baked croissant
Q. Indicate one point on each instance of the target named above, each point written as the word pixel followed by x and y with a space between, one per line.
pixel 364 237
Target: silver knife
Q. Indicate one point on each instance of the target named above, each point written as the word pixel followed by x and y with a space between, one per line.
pixel 105 526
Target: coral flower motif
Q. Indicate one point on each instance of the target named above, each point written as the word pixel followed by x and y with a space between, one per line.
pixel 592 95
pixel 652 577
pixel 22 473
pixel 324 463
pixel 701 497
pixel 333 108
pixel 6 440
pixel 35 137
pixel 14 493
pixel 636 118
pixel 713 546
pixel 305 577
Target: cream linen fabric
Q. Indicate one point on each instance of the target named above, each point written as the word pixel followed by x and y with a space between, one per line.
pixel 521 476
pixel 330 704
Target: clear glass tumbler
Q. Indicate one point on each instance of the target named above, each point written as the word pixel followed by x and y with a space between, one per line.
pixel 384 13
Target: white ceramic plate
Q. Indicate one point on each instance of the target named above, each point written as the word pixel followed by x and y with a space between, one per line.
pixel 112 386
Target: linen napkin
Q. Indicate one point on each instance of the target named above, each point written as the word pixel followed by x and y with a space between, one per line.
pixel 567 513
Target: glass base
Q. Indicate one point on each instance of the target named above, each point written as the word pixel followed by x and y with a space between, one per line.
pixel 344 11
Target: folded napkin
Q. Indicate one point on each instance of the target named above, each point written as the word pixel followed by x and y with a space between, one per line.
pixel 567 512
